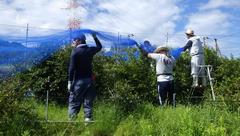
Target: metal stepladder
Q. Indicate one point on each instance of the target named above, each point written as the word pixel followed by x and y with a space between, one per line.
pixel 207 69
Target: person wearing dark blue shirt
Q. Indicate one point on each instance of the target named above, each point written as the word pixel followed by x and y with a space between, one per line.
pixel 80 82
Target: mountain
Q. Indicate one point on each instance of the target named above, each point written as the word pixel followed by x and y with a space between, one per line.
pixel 7 44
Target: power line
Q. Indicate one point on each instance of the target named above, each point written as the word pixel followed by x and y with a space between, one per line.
pixel 125 20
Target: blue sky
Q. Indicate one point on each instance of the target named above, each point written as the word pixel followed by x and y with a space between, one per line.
pixel 146 19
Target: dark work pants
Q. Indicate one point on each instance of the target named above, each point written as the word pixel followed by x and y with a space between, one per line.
pixel 166 91
pixel 82 92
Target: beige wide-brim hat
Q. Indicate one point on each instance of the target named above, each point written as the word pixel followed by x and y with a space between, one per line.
pixel 160 49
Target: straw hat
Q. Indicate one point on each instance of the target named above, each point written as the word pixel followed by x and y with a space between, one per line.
pixel 161 48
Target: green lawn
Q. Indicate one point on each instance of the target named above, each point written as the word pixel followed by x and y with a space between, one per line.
pixel 146 120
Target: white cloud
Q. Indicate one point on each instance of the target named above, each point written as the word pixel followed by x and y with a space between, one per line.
pixel 38 14
pixel 204 23
pixel 212 22
pixel 215 23
pixel 213 4
pixel 215 19
pixel 146 19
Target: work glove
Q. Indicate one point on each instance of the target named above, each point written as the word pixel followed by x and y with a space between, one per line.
pixel 69 86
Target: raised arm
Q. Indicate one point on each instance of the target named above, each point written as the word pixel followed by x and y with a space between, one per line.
pixel 145 53
pixel 188 45
pixel 98 43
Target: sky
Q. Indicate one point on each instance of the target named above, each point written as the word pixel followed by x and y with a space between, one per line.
pixel 162 22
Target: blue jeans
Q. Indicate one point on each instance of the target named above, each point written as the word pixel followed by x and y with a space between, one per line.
pixel 82 92
pixel 166 90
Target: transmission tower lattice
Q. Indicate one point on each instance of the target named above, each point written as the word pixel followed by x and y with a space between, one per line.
pixel 74 19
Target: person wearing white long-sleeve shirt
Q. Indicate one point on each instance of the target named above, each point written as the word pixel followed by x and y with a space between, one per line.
pixel 194 45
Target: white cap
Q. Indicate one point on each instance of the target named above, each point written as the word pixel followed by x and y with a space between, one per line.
pixel 189 31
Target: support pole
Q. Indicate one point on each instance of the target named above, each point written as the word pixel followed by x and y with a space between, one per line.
pixel 205 41
pixel 167 39
pixel 47 106
pixel 118 42
pixel 70 36
pixel 27 34
pixel 47 97
pixel 26 42
pixel 217 48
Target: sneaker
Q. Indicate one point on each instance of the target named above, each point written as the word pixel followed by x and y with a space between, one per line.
pixel 88 120
pixel 195 85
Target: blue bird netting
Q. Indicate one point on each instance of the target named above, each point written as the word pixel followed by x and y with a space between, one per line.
pixel 18 53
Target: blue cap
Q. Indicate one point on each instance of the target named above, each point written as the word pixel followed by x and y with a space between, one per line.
pixel 147 43
pixel 79 36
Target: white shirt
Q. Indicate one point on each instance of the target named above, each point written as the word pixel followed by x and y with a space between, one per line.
pixel 196 46
pixel 164 65
pixel 81 45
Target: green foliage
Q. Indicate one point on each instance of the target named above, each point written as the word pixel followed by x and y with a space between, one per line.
pixel 131 81
pixel 146 119
pixel 227 85
pixel 206 120
pixel 182 78
pixel 50 75
pixel 126 83
pixel 16 117
pixel 107 117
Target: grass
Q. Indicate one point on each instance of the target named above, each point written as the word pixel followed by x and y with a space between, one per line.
pixel 146 120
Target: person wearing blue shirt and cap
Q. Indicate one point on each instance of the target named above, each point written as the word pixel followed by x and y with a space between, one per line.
pixel 80 81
